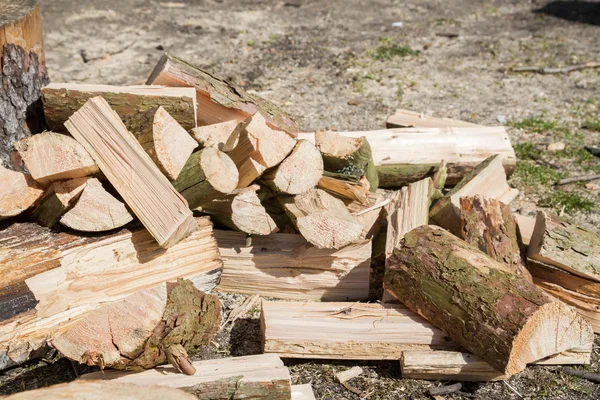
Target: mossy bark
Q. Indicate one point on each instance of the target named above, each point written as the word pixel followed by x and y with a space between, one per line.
pixel 354 166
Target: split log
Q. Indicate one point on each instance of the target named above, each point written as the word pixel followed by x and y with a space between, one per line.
pixel 285 266
pixel 96 210
pixel 217 135
pixel 259 147
pixel 50 279
pixel 61 100
pixel 241 211
pixel 484 307
pixel 97 390
pixel 407 119
pixel 347 156
pixel 207 174
pixel 322 219
pixel 566 246
pixel 488 180
pixel 22 73
pixel 218 100
pixel 18 192
pixel 351 190
pixel 369 215
pixel 57 200
pixel 346 331
pixel 303 392
pixel 137 332
pixel 298 173
pixel 131 171
pixel 526 225
pixel 51 157
pixel 261 376
pixel 490 226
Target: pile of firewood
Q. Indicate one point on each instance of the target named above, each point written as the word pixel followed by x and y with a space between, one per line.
pixel 109 252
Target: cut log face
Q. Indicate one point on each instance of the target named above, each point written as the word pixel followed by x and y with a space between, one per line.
pixel 462 290
pixel 369 215
pixel 260 377
pixel 131 171
pixel 58 199
pixel 61 100
pixel 96 210
pixel 526 225
pixel 286 266
pixel 216 135
pixel 322 219
pixel 356 191
pixel 299 172
pixel 18 192
pixel 407 119
pixel 51 157
pixel 218 100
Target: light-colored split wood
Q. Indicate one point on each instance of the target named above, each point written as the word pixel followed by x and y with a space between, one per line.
pixel 526 225
pixel 407 119
pixel 351 190
pixel 303 392
pixel 18 192
pixel 370 215
pixel 217 135
pixel 58 199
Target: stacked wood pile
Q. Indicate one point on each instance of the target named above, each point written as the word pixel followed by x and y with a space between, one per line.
pixel 109 253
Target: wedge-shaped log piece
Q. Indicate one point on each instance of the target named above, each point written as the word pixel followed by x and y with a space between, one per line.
pixel 18 192
pixel 131 171
pixel 490 226
pixel 487 309
pixel 218 100
pixel 407 119
pixel 566 246
pixel 488 180
pixel 286 266
pixel 96 210
pixel 322 219
pixel 51 279
pixel 61 100
pixel 217 135
pixel 242 211
pixel 259 147
pixel 57 200
pixel 137 332
pixel 299 172
pixel 207 174
pixel 52 156
pixel 346 189
pixel 370 215
pixel 526 224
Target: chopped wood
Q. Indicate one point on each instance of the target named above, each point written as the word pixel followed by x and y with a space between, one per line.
pixel 488 179
pixel 18 192
pixel 218 100
pixel 566 246
pixel 303 392
pixel 50 279
pixel 96 210
pixel 407 119
pixel 369 215
pixel 447 280
pixel 179 359
pixel 526 224
pixel 490 226
pixel 217 135
pixel 348 374
pixel 259 147
pixel 126 334
pixel 346 331
pixel 286 266
pixel 51 157
pixel 261 376
pixel 440 176
pixel 131 171
pixel 57 200
pixel 351 190
pixel 322 219
pixel 207 174
pixel 299 172
pixel 61 100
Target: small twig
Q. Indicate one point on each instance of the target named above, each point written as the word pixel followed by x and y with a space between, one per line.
pixel 590 376
pixel 513 389
pixel 565 70
pixel 375 207
pixel 578 179
pixel 442 390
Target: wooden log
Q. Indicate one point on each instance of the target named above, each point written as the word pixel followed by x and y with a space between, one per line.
pixel 131 171
pixel 218 100
pixel 261 376
pixel 61 100
pixel 96 210
pixel 484 307
pixel 407 119
pixel 303 392
pixel 566 246
pixel 57 200
pixel 488 180
pixel 259 147
pixel 18 192
pixel 136 332
pixel 97 390
pixel 51 157
pixel 526 225
pixel 369 215
pixel 217 135
pixel 22 73
pixel 347 331
pixel 346 189
pixel 207 174
pixel 50 279
pixel 348 156
pixel 490 226
pixel 322 219
pixel 299 172
pixel 286 266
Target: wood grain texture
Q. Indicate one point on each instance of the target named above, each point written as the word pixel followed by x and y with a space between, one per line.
pixel 57 200
pixel 407 119
pixel 216 135
pixel 18 192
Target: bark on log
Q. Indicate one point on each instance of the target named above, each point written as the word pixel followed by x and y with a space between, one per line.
pixel 18 192
pixel 217 135
pixel 22 73
pixel 484 307
pixel 351 190
pixel 407 119
pixel 218 100
pixel 57 200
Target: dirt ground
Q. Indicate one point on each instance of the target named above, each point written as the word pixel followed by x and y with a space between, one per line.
pixel 342 64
